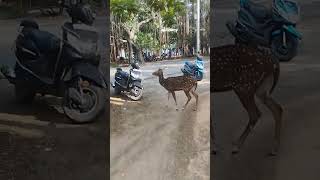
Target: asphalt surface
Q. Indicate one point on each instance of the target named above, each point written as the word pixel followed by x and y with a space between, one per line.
pixel 37 141
pixel 151 140
pixel 298 92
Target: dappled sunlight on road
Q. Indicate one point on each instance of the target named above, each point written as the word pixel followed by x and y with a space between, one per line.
pixel 121 102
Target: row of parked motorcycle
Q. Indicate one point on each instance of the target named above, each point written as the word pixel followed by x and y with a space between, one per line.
pixel 154 58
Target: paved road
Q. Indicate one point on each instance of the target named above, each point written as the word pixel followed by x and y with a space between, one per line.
pixel 150 140
pixel 37 141
pixel 298 91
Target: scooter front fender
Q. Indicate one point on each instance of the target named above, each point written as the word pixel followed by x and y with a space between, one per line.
pixel 137 84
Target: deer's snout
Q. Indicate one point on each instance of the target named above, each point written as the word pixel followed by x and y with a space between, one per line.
pixel 157 73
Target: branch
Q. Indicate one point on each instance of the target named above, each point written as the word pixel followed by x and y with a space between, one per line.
pixel 124 27
pixel 143 22
pixel 153 16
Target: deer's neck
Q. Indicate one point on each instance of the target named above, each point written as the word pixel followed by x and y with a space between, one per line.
pixel 161 79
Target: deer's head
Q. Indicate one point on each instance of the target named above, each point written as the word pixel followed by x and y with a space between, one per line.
pixel 159 72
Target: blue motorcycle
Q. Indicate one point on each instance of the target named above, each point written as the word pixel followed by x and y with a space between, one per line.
pixel 276 28
pixel 196 70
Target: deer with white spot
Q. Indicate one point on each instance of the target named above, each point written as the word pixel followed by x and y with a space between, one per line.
pixel 179 83
pixel 250 73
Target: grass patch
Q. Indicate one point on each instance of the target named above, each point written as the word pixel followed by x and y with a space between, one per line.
pixel 114 65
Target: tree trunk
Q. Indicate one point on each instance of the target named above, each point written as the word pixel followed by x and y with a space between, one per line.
pixel 187 20
pixel 130 52
pixel 138 53
pixel 141 56
pixel 20 9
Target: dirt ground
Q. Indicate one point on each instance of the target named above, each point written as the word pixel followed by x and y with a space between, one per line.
pixel 151 140
pixel 39 142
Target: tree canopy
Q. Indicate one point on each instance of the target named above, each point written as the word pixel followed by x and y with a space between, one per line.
pixel 153 24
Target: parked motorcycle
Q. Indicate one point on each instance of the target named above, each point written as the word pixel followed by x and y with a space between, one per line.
pixel 66 67
pixel 196 70
pixel 163 56
pixel 129 83
pixel 257 25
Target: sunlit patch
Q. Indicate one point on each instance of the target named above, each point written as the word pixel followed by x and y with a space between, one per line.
pixel 116 99
pixel 117 103
pixel 121 102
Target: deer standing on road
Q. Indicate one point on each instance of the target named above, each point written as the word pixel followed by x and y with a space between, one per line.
pixel 249 73
pixel 179 83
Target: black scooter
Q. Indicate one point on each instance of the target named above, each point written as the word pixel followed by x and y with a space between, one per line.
pixel 129 83
pixel 66 67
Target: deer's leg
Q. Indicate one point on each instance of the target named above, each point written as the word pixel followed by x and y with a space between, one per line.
pixel 168 99
pixel 212 137
pixel 197 98
pixel 188 96
pixel 175 100
pixel 276 110
pixel 249 104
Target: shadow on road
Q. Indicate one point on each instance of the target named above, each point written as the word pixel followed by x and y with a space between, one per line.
pixel 37 141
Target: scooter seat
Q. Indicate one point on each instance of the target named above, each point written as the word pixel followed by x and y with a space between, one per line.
pixel 258 11
pixel 123 74
pixel 45 42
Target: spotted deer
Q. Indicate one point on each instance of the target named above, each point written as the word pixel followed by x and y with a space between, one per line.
pixel 179 83
pixel 249 73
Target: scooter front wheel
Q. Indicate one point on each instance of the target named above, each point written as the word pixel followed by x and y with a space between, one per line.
pixel 135 93
pixel 284 52
pixel 93 100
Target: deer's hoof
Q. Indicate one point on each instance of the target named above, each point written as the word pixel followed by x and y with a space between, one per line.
pixel 275 149
pixel 214 151
pixel 195 109
pixel 273 152
pixel 235 149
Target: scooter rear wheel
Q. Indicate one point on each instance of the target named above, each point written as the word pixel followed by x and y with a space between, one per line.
pixel 284 53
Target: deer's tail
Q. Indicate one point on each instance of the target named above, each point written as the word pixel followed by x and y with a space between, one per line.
pixel 276 74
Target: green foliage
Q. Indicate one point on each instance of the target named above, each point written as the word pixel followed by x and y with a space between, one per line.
pixel 147 41
pixel 142 20
pixel 170 12
pixel 124 9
